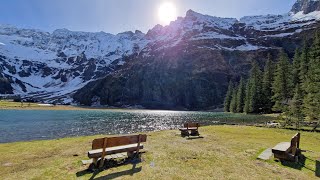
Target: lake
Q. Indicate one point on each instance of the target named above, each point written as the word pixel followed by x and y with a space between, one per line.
pixel 25 125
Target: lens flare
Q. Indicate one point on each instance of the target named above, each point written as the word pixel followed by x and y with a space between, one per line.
pixel 167 12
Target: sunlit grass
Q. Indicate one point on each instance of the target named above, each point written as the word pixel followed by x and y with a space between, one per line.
pixel 225 152
pixel 10 104
pixel 35 106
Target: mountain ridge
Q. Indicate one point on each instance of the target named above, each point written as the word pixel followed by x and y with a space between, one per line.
pixel 306 6
pixel 54 66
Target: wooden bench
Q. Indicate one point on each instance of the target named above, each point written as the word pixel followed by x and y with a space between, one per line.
pixel 190 129
pixel 115 145
pixel 288 150
pixel 318 167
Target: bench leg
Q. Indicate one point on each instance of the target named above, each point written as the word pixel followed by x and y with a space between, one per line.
pixel 185 133
pixel 94 165
pixel 101 163
pixel 95 162
pixel 194 133
pixel 130 154
pixel 318 167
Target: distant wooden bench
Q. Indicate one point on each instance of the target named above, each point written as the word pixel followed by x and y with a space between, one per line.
pixel 115 145
pixel 190 129
pixel 318 167
pixel 288 150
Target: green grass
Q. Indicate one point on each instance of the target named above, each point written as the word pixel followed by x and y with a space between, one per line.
pixel 9 104
pixel 225 152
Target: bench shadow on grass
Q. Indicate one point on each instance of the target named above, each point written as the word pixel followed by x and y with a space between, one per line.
pixel 298 165
pixel 113 164
pixel 194 137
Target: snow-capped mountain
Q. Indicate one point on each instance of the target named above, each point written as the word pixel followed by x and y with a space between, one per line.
pixel 53 66
pixel 50 65
pixel 306 6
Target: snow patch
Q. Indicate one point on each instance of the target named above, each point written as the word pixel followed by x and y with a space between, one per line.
pixel 215 35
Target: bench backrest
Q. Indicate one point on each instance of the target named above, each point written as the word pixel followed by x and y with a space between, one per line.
pixel 191 125
pixel 118 141
pixel 295 143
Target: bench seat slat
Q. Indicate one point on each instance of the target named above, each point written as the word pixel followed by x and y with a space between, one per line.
pixel 191 128
pixel 283 146
pixel 113 150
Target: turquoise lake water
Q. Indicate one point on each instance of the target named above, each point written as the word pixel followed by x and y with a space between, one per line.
pixel 25 125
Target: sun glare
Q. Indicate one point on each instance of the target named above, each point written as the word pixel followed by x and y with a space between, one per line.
pixel 167 12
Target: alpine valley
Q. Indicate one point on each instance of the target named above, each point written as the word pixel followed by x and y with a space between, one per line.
pixel 185 65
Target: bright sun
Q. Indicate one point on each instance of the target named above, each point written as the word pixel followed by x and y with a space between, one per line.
pixel 167 12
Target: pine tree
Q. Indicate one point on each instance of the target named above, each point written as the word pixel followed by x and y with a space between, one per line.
pixel 233 104
pixel 282 85
pixel 304 63
pixel 247 98
pixel 255 98
pixel 267 86
pixel 297 106
pixel 228 98
pixel 312 83
pixel 241 96
pixel 296 68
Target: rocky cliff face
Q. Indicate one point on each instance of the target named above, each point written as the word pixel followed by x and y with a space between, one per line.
pixel 186 64
pixel 189 63
pixel 306 6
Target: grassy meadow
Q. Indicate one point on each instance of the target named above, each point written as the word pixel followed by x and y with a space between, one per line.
pixel 35 106
pixel 9 104
pixel 224 152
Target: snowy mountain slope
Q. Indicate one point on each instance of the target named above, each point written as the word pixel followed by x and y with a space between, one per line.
pixel 229 33
pixel 53 66
pixel 59 63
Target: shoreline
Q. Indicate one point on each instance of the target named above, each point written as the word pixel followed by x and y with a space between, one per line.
pixel 9 105
pixel 35 106
pixel 70 107
pixel 150 132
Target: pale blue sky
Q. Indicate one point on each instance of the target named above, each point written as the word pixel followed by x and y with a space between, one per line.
pixel 116 16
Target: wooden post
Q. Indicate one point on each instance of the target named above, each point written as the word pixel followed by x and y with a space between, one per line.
pixel 318 167
pixel 139 141
pixel 298 140
pixel 103 152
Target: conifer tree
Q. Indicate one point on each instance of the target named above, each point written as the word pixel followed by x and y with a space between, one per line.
pixel 241 96
pixel 296 68
pixel 282 84
pixel 233 104
pixel 297 106
pixel 247 98
pixel 228 97
pixel 312 83
pixel 304 63
pixel 255 98
pixel 267 86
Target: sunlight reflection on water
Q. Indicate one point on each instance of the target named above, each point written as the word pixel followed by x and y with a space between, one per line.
pixel 22 125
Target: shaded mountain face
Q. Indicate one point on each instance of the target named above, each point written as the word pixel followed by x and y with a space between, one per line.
pixel 189 63
pixel 186 64
pixel 306 6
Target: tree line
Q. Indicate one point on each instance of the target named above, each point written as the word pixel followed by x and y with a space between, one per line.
pixel 291 87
